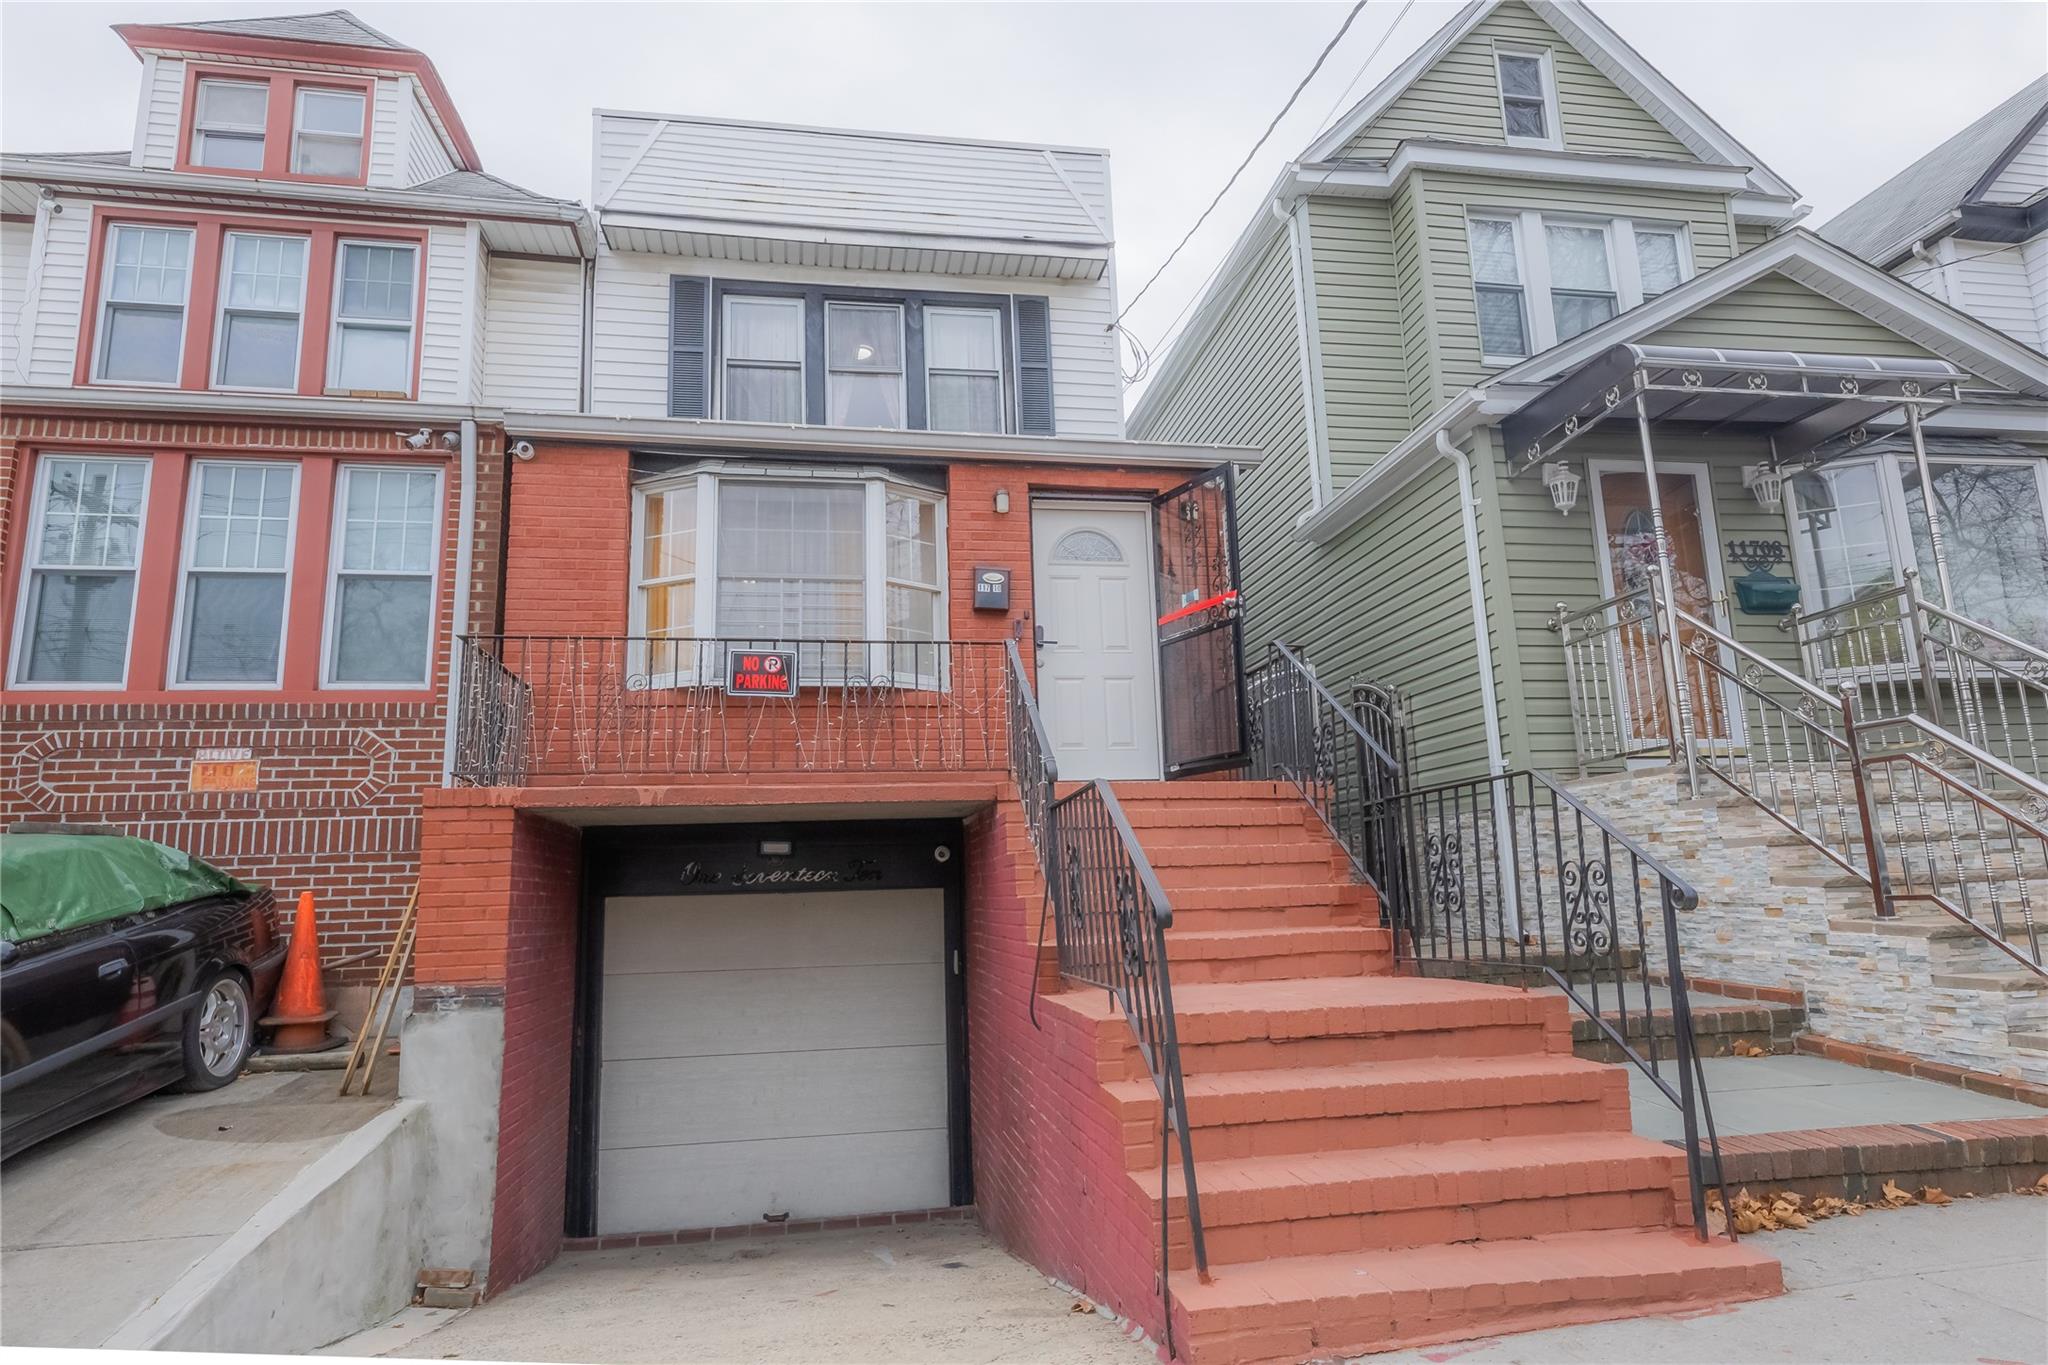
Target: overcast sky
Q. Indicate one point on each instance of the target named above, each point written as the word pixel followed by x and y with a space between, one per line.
pixel 1836 97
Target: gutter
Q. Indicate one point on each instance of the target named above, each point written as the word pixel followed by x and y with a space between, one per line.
pixel 465 552
pixel 157 402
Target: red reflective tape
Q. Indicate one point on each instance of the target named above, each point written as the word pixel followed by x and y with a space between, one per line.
pixel 1191 608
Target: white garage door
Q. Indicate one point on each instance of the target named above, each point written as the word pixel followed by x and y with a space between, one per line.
pixel 771 1054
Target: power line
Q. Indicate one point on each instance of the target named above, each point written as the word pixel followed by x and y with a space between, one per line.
pixel 1321 57
pixel 1942 265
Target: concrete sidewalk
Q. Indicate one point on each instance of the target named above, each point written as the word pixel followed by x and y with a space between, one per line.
pixel 100 1221
pixel 1783 1094
pixel 1967 1283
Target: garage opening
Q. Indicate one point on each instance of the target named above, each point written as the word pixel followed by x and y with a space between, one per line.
pixel 771 1026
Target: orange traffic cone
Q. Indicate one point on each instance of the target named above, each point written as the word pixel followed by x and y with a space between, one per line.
pixel 300 1012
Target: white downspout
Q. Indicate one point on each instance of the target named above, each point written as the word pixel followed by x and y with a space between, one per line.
pixel 465 550
pixel 1489 701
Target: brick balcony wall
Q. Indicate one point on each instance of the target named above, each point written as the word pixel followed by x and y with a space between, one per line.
pixel 337 807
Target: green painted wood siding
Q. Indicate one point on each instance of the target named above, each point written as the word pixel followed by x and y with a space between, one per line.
pixel 1450 199
pixel 1359 317
pixel 1459 98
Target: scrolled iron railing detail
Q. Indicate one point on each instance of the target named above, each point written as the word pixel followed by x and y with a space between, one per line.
pixel 1507 878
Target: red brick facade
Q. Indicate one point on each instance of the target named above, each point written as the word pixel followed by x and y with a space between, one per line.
pixel 340 773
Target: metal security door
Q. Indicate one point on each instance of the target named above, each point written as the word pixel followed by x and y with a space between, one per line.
pixel 1201 639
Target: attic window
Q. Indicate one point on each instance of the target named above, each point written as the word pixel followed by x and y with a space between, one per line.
pixel 227 124
pixel 1528 97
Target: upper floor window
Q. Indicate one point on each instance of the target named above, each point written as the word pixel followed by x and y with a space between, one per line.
pixel 147 275
pixel 239 530
pixel 327 133
pixel 77 604
pixel 228 121
pixel 1528 96
pixel 374 292
pixel 380 597
pixel 764 359
pixel 856 357
pixel 864 365
pixel 964 369
pixel 262 300
pixel 1540 280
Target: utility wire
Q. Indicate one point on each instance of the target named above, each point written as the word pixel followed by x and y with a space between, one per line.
pixel 1321 57
pixel 1943 265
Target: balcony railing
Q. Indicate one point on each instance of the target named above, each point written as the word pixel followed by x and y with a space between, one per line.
pixel 579 708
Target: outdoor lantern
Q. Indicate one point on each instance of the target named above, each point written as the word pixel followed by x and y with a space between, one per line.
pixel 1766 484
pixel 1563 482
pixel 1002 502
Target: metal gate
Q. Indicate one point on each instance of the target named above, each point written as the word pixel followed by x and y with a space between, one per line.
pixel 1201 639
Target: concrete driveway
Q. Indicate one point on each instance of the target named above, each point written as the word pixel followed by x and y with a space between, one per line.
pixel 99 1221
pixel 940 1292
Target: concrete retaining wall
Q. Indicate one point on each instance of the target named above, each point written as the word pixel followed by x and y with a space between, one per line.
pixel 337 1250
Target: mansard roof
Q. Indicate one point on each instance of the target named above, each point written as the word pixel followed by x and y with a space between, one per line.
pixel 329 26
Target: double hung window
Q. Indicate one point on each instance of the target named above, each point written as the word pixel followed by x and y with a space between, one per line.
pixel 864 365
pixel 1582 293
pixel 1660 259
pixel 327 133
pixel 372 347
pixel 262 301
pixel 1497 278
pixel 146 277
pixel 764 359
pixel 228 119
pixel 380 605
pixel 237 568
pixel 1528 97
pixel 963 362
pixel 85 541
pixel 1539 279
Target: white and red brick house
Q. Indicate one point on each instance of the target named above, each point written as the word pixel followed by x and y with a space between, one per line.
pixel 243 364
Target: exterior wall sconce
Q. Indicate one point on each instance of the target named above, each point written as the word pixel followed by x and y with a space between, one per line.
pixel 1766 484
pixel 1002 502
pixel 1563 482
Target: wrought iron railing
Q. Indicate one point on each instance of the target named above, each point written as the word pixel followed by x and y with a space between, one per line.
pixel 1031 758
pixel 1615 676
pixel 590 707
pixel 1906 656
pixel 1507 878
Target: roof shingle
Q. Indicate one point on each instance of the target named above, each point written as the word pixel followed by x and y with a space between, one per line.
pixel 329 26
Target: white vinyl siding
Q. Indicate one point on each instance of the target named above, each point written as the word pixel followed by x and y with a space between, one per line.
pixel 56 294
pixel 630 322
pixel 162 106
pixel 17 240
pixel 443 360
pixel 2023 177
pixel 2004 286
pixel 532 323
pixel 387 133
pixel 425 156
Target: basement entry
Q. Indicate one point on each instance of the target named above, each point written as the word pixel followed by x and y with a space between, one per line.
pixel 770 1056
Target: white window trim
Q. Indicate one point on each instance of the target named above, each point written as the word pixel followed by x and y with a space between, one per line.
pixel 299 130
pixel 261 131
pixel 878 485
pixel 336 320
pixel 175 674
pixel 1548 69
pixel 222 309
pixel 1623 268
pixel 33 565
pixel 106 286
pixel 725 361
pixel 331 606
pixel 902 362
pixel 994 316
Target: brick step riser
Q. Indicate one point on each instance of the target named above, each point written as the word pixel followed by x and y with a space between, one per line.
pixel 1278 967
pixel 1238 849
pixel 1222 897
pixel 1241 875
pixel 1307 1136
pixel 1242 1243
pixel 1266 1054
pixel 1276 918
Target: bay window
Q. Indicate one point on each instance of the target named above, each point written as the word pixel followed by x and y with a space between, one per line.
pixel 796 558
pixel 78 594
pixel 327 133
pixel 380 602
pixel 764 359
pixel 864 365
pixel 963 358
pixel 372 346
pixel 239 530
pixel 1857 525
pixel 145 280
pixel 228 119
pixel 262 301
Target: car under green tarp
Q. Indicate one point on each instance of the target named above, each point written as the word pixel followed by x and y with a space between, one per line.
pixel 53 882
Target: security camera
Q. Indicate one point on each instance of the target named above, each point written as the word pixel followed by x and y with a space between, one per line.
pixel 418 440
pixel 450 440
pixel 522 450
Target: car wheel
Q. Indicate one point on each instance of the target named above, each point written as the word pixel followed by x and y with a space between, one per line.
pixel 219 1031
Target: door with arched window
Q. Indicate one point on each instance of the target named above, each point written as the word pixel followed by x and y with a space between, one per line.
pixel 1098 667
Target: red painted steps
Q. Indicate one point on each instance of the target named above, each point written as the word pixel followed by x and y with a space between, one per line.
pixel 1276 954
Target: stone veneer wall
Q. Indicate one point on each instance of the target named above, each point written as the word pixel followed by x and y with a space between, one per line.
pixel 1773 912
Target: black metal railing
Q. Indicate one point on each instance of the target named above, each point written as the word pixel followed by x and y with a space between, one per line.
pixel 540 708
pixel 1508 878
pixel 1031 758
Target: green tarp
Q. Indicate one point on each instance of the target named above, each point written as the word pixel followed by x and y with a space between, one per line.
pixel 53 882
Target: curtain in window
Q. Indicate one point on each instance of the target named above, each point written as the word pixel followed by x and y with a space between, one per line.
pixel 792 562
pixel 764 348
pixel 1581 289
pixel 1997 544
pixel 864 363
pixel 1497 277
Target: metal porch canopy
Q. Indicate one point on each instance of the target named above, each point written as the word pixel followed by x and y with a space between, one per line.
pixel 1802 401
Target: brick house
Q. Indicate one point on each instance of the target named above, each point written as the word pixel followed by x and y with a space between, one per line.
pixel 244 376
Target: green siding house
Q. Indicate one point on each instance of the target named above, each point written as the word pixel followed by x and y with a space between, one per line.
pixel 1408 330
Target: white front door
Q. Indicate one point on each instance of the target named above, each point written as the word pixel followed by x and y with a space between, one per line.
pixel 1098 668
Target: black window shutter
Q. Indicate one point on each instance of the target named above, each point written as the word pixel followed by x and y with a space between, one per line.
pixel 689 346
pixel 1034 366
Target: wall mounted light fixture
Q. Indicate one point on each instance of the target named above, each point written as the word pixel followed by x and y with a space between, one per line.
pixel 1766 484
pixel 1563 482
pixel 1002 502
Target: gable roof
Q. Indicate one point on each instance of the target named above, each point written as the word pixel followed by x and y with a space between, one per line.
pixel 1885 223
pixel 1576 23
pixel 328 26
